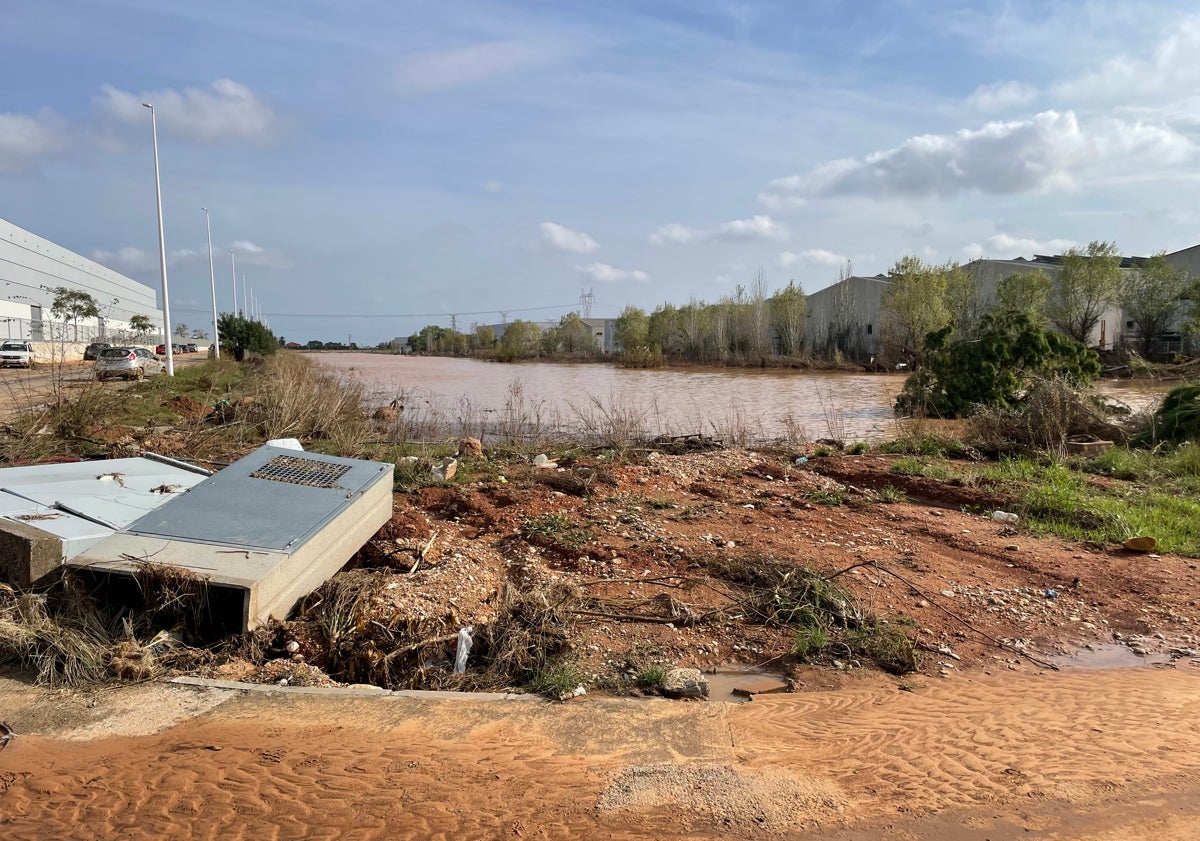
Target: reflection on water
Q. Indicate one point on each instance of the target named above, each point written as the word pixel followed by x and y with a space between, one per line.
pixel 746 403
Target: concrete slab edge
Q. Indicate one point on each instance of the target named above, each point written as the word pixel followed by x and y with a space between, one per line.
pixel 357 691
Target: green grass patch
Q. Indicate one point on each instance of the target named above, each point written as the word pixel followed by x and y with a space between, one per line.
pixel 892 494
pixel 556 680
pixel 837 497
pixel 557 530
pixel 652 677
pixel 917 466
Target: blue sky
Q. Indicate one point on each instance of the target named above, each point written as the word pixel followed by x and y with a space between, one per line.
pixel 369 160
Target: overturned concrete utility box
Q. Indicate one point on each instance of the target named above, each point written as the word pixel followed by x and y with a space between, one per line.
pixel 49 512
pixel 264 531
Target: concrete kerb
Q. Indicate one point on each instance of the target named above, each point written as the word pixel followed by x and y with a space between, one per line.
pixel 357 691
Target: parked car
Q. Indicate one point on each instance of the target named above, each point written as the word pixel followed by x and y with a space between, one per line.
pixel 92 351
pixel 190 347
pixel 130 363
pixel 16 354
pixel 160 350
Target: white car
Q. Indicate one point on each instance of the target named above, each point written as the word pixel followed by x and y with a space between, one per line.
pixel 16 354
pixel 130 363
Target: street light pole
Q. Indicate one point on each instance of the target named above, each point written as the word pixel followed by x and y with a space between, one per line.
pixel 212 283
pixel 233 267
pixel 245 307
pixel 162 248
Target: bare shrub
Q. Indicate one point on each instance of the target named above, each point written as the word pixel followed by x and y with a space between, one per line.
pixel 531 632
pixel 1051 412
pixel 297 399
pixel 612 424
pixel 65 648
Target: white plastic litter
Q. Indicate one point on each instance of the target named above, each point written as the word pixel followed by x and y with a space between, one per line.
pixel 464 649
pixel 286 443
pixel 1004 517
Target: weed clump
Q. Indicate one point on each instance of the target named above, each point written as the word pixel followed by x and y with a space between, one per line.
pixel 827 620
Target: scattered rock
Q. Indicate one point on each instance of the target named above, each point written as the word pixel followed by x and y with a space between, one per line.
pixel 685 683
pixel 445 471
pixel 470 447
pixel 543 461
pixel 1141 544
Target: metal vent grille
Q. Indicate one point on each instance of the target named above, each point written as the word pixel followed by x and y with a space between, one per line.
pixel 295 470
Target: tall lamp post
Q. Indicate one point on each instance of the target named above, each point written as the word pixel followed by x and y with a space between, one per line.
pixel 162 248
pixel 233 268
pixel 212 284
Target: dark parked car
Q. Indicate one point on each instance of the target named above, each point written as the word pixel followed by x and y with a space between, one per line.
pixel 92 351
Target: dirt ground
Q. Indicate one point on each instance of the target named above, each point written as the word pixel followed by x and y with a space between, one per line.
pixel 1106 755
pixel 1015 725
pixel 641 544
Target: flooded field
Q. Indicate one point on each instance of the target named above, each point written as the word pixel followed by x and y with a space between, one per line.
pixel 735 404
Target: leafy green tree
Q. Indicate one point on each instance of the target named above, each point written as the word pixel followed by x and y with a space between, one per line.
pixel 962 298
pixel 575 335
pixel 483 337
pixel 632 330
pixel 1025 292
pixel 521 340
pixel 140 324
pixel 181 330
pixel 913 305
pixel 789 318
pixel 72 305
pixel 663 327
pixel 203 334
pixel 1152 296
pixel 240 333
pixel 992 368
pixel 1089 283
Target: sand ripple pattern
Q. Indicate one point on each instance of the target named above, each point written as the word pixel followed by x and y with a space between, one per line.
pixel 964 742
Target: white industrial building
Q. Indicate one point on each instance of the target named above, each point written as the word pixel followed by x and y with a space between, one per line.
pixel 847 316
pixel 32 267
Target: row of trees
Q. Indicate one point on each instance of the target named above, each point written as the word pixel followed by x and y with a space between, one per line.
pixel 746 327
pixel 70 305
pixel 922 298
pixel 751 325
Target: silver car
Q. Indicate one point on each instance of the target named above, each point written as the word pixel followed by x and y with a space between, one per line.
pixel 131 363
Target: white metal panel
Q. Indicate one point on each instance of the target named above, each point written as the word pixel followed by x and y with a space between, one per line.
pixel 115 491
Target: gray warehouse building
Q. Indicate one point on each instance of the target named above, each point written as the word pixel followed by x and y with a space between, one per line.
pixel 32 267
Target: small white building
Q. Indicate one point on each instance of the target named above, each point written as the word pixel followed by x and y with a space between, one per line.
pixel 32 267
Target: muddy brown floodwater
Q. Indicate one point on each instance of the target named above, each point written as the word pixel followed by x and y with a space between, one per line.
pixel 732 403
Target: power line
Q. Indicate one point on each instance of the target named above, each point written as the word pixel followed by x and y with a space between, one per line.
pixel 399 315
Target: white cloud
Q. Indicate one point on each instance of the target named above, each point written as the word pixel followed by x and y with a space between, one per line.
pixel 249 254
pixel 1006 246
pixel 755 229
pixel 811 257
pixel 493 186
pixel 604 273
pixel 1171 72
pixel 133 259
pixel 25 138
pixel 674 233
pixel 562 238
pixel 440 70
pixel 1051 150
pixel 1001 95
pixel 226 109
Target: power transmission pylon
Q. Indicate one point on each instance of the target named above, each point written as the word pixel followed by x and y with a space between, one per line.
pixel 586 298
